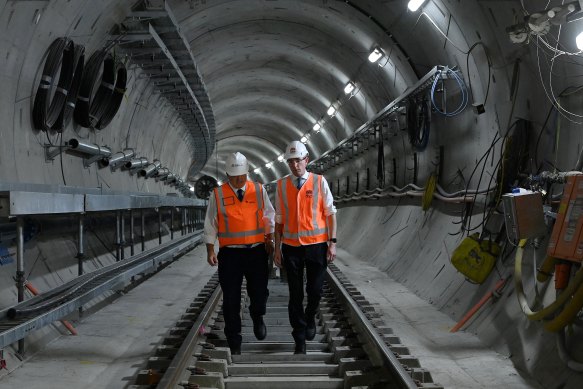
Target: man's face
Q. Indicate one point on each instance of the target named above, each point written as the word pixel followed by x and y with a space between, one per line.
pixel 298 166
pixel 238 181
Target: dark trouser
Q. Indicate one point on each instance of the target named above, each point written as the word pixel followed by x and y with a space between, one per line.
pixel 234 263
pixel 313 257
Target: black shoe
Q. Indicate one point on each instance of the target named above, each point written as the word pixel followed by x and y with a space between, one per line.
pixel 311 331
pixel 236 350
pixel 259 328
pixel 300 348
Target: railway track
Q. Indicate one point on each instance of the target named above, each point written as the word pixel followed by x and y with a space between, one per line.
pixel 353 347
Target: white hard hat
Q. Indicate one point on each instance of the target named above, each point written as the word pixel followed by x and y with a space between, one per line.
pixel 296 149
pixel 236 164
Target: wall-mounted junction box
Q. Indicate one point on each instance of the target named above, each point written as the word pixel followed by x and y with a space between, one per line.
pixel 567 238
pixel 523 213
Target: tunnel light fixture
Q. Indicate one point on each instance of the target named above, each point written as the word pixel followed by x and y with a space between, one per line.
pixel 376 54
pixel 579 41
pixel 268 164
pixel 349 87
pixel 304 139
pixel 415 4
pixel 331 110
pixel 257 170
pixel 317 127
pixel 280 158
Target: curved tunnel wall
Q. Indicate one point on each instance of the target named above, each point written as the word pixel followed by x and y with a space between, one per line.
pixel 267 92
pixel 144 122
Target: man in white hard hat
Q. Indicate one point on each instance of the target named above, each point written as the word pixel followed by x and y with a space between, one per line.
pixel 305 236
pixel 240 214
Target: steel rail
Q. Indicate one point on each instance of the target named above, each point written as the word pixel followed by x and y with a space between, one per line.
pixel 369 332
pixel 179 363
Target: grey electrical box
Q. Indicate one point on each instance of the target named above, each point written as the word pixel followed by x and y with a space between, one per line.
pixel 524 216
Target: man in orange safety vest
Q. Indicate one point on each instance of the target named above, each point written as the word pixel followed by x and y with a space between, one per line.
pixel 305 236
pixel 241 216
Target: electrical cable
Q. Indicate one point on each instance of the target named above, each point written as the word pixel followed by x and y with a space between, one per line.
pixel 462 87
pixel 116 98
pixel 92 104
pixel 69 107
pixel 553 101
pixel 573 287
pixel 46 110
pixel 418 123
pixel 61 159
pixel 489 61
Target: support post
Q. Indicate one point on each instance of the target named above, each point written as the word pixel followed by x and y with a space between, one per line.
pixel 171 222
pixel 80 251
pixel 159 226
pixel 122 242
pixel 117 237
pixel 143 230
pixel 132 232
pixel 20 269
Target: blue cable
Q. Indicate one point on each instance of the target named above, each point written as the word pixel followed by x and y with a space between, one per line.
pixel 463 91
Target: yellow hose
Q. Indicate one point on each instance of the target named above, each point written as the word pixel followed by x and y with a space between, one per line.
pixel 568 313
pixel 551 308
pixel 428 193
pixel 546 269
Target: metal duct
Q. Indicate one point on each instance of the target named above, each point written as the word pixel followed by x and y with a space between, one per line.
pixel 136 163
pixel 121 156
pixel 89 148
pixel 162 173
pixel 151 169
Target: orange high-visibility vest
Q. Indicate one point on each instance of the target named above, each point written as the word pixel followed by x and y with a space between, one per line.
pixel 302 213
pixel 240 222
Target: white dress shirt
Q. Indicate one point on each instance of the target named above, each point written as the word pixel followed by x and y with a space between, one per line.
pixel 329 208
pixel 211 222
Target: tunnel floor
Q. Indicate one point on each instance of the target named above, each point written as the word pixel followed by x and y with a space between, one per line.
pixel 114 343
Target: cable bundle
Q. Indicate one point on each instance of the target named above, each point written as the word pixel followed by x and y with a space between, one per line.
pixel 418 123
pixel 69 107
pixel 91 105
pixel 114 101
pixel 46 111
pixel 462 87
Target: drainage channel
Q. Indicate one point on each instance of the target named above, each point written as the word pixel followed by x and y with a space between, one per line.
pixel 353 347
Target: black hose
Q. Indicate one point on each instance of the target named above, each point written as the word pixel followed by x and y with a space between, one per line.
pixel 418 123
pixel 91 105
pixel 46 110
pixel 67 112
pixel 115 99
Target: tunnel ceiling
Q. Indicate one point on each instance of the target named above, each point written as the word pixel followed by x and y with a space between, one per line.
pixel 272 68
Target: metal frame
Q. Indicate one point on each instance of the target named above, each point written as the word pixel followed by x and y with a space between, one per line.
pixel 152 38
pixel 23 203
pixel 141 263
pixel 329 158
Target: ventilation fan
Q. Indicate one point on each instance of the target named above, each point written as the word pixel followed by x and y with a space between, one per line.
pixel 204 186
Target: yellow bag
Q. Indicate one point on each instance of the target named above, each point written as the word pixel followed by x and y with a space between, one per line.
pixel 475 260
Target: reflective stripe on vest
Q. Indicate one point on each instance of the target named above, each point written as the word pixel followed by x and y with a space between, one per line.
pixel 239 222
pixel 295 229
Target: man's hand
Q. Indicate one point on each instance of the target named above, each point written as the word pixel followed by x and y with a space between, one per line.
pixel 269 244
pixel 211 256
pixel 277 257
pixel 331 254
pixel 212 259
